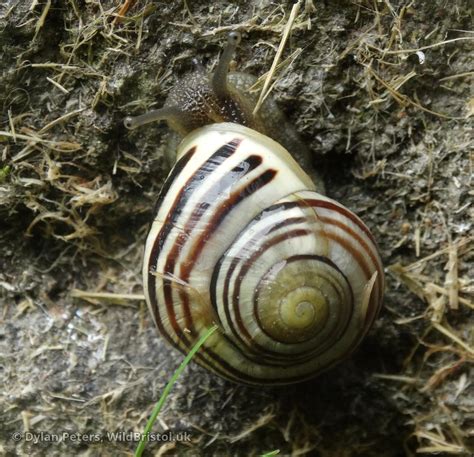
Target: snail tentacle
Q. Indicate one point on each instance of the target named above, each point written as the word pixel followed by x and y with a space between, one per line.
pixel 219 78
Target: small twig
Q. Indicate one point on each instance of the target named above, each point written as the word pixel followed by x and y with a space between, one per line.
pixel 123 11
pixel 453 337
pixel 108 296
pixel 460 243
pixel 62 118
pixel 61 88
pixel 459 75
pixel 401 98
pixel 62 146
pixel 422 48
pixel 286 32
pixel 12 125
pixel 451 281
pixel 42 18
pixel 397 378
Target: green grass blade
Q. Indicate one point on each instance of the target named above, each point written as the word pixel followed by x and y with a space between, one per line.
pixel 167 389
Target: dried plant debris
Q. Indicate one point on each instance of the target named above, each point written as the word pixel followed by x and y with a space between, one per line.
pixel 381 91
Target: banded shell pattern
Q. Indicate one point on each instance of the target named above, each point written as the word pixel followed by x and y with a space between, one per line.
pixel 242 238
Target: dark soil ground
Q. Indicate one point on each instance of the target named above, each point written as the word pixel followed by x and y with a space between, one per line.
pixel 381 91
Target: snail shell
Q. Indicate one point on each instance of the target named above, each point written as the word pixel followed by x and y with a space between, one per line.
pixel 241 238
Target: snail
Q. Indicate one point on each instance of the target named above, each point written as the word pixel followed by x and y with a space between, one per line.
pixel 243 237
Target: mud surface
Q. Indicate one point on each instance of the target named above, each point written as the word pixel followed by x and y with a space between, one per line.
pixel 381 92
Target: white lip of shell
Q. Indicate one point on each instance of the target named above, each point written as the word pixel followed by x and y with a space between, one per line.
pixel 215 135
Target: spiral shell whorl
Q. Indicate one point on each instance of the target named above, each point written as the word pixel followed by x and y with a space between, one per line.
pixel 292 278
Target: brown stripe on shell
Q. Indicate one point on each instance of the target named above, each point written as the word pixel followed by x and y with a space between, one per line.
pixel 152 275
pixel 252 345
pixel 223 368
pixel 225 208
pixel 175 171
pixel 373 253
pixel 375 261
pixel 349 214
pixel 187 265
pixel 249 343
pixel 223 184
pixel 327 205
pixel 226 150
pixel 235 198
pixel 373 256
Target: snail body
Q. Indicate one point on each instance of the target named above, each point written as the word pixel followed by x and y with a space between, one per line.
pixel 242 238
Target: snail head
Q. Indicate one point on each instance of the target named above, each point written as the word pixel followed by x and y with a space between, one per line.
pixel 201 99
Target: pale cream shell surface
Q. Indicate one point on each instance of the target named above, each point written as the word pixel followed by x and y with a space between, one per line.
pixel 241 239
